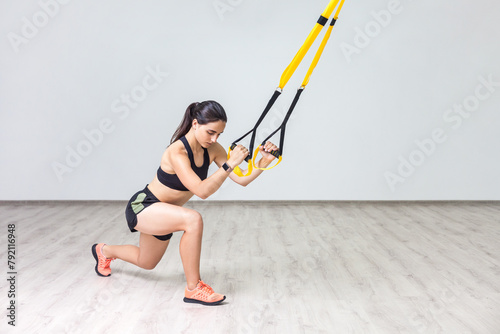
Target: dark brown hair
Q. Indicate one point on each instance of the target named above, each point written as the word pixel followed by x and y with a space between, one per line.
pixel 204 112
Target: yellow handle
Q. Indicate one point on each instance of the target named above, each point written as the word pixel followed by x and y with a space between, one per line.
pixel 255 156
pixel 237 170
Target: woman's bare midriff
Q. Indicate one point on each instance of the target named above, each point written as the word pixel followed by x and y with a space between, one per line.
pixel 168 195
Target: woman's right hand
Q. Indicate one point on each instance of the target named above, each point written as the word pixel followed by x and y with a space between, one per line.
pixel 237 156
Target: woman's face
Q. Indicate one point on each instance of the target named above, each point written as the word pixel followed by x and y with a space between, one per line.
pixel 207 134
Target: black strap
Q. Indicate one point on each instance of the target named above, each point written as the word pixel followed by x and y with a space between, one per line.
pixel 188 148
pixel 253 131
pixel 282 127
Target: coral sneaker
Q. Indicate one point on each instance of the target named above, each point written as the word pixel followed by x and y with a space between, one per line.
pixel 102 263
pixel 203 294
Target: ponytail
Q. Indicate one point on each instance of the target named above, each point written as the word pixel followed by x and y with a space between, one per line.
pixel 186 123
pixel 204 112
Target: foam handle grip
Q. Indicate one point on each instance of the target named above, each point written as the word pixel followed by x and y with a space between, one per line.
pixel 276 153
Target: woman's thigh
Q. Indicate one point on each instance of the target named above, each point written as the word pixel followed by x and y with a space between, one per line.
pixel 163 218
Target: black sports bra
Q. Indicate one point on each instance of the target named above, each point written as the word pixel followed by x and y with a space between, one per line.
pixel 172 180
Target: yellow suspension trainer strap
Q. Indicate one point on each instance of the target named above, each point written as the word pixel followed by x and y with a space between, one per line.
pixel 282 127
pixel 287 74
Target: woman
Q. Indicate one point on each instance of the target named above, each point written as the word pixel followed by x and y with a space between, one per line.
pixel 157 211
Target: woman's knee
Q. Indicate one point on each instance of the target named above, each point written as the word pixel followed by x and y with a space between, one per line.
pixel 194 222
pixel 148 265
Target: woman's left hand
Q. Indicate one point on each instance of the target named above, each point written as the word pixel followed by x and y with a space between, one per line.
pixel 266 151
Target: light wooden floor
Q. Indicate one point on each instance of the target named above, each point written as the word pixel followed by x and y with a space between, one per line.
pixel 285 268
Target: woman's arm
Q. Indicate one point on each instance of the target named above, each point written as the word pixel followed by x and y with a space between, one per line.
pixel 203 189
pixel 264 162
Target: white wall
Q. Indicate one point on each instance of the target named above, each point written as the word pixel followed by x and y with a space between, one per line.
pixel 368 103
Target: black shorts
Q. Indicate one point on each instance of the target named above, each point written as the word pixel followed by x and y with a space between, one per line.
pixel 141 200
